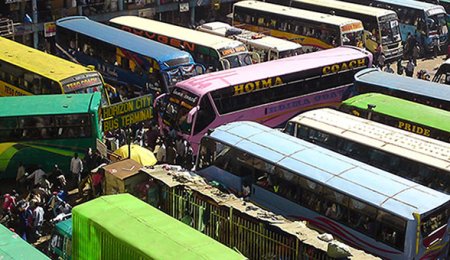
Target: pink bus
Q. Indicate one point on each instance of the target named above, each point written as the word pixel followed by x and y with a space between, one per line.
pixel 269 93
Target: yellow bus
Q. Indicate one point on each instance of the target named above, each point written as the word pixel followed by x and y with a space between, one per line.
pixel 381 26
pixel 28 71
pixel 314 31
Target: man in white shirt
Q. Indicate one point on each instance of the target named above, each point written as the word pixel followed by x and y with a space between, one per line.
pixel 38 219
pixel 76 167
pixel 37 174
pixel 20 173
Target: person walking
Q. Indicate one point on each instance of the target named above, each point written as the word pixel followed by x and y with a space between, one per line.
pixel 410 43
pixel 180 144
pixel 171 152
pixel 25 221
pixel 37 175
pixel 400 67
pixel 76 167
pixel 38 219
pixel 20 177
pixel 381 60
pixel 436 45
pixel 160 151
pixel 388 68
pixel 377 55
pixel 151 137
pixel 409 70
pixel 415 53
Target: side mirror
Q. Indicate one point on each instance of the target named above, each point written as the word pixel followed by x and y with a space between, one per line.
pixel 158 100
pixel 225 64
pixel 255 58
pixel 200 69
pixel 191 114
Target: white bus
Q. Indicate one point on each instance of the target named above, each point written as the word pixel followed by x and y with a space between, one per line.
pixel 381 26
pixel 268 47
pixel 214 52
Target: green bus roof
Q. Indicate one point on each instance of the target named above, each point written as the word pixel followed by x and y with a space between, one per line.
pixel 125 227
pixel 49 104
pixel 12 246
pixel 65 227
pixel 39 62
pixel 403 109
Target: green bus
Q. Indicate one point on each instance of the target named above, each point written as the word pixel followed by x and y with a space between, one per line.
pixel 407 115
pixel 60 244
pixel 12 247
pixel 122 226
pixel 44 130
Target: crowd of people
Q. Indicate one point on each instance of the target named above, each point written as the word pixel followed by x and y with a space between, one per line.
pixel 41 197
pixel 411 53
pixel 166 145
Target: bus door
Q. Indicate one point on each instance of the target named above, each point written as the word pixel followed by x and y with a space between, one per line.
pixel 371 40
pixel 225 64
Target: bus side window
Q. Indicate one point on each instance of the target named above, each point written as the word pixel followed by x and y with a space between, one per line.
pixel 302 131
pixel 290 128
pixel 125 63
pixel 248 19
pixel 37 88
pixel 391 229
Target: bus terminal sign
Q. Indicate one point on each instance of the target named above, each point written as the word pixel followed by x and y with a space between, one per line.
pixel 126 113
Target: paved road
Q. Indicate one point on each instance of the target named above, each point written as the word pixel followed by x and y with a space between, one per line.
pixel 429 64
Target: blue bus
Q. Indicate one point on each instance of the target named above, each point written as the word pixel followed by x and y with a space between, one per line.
pixel 424 20
pixel 443 3
pixel 417 90
pixel 368 208
pixel 122 57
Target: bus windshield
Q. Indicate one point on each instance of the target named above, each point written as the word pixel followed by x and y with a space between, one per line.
pixel 390 31
pixel 183 72
pixel 85 84
pixel 239 60
pixel 437 22
pixel 433 222
pixel 290 53
pixel 175 112
pixel 352 38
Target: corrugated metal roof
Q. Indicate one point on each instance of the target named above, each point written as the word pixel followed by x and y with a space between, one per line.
pixel 124 227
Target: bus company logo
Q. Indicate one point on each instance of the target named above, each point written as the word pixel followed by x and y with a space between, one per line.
pixel 414 128
pixel 82 83
pixel 189 46
pixel 344 66
pixel 257 85
pixel 229 51
pixel 352 26
pixel 191 98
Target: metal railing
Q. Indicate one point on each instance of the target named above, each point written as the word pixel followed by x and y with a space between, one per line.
pixel 6 28
pixel 253 238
